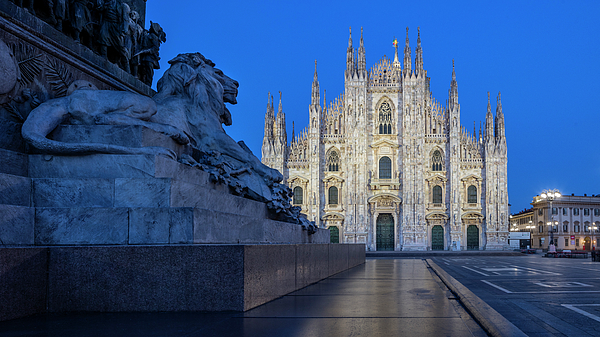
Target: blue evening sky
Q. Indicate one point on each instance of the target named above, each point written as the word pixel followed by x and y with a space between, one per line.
pixel 543 56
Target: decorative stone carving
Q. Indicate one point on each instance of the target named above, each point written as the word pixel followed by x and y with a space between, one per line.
pixel 110 28
pixel 190 108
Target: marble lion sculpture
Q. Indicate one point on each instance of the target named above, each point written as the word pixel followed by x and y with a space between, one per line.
pixel 189 107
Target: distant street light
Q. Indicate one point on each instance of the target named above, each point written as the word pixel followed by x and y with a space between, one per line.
pixel 530 233
pixel 550 195
pixel 592 229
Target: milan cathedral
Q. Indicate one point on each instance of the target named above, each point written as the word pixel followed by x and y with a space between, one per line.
pixel 388 165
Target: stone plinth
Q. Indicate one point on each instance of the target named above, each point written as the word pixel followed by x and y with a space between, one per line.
pixel 162 278
pixel 23 282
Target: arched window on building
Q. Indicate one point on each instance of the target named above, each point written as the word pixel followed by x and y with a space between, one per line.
pixel 437 162
pixel 333 195
pixel 472 194
pixel 385 119
pixel 385 168
pixel 437 194
pixel 297 195
pixel 333 161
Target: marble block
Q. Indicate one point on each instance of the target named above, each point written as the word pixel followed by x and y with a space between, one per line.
pixel 81 226
pixel 16 225
pixel 15 190
pixel 65 192
pixel 13 163
pixel 160 225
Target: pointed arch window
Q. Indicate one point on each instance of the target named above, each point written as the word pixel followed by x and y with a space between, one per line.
pixel 437 194
pixel 297 195
pixel 437 162
pixel 472 194
pixel 333 195
pixel 385 168
pixel 333 161
pixel 385 119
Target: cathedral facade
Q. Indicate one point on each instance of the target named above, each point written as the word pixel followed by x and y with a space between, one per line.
pixel 388 165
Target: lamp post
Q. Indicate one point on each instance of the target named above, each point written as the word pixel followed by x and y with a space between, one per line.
pixel 592 229
pixel 593 251
pixel 550 195
pixel 530 227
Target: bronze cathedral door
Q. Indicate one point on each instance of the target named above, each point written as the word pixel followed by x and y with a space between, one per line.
pixel 437 238
pixel 472 237
pixel 385 232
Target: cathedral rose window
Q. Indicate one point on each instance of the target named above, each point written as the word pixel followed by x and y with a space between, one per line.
pixel 333 161
pixel 437 163
pixel 385 119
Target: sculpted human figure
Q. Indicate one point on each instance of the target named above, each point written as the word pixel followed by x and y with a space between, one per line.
pixel 149 58
pixel 59 13
pixel 136 32
pixel 88 106
pixel 112 29
pixel 79 18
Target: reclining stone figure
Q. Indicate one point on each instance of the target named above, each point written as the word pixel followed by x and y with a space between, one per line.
pixel 86 105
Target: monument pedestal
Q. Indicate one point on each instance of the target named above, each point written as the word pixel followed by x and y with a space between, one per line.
pixel 162 278
pixel 115 233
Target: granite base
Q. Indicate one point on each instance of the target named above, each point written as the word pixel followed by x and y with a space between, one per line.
pixel 162 278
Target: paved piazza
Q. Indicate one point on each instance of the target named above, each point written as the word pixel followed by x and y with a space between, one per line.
pixel 541 296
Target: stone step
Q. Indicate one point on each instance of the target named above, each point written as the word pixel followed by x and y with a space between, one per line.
pixel 108 166
pixel 15 163
pixel 16 225
pixel 112 226
pixel 139 192
pixel 15 190
pixel 150 226
pixel 185 194
pixel 98 192
pixel 219 227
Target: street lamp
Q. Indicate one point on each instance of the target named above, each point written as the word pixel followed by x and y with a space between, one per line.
pixel 550 195
pixel 530 233
pixel 592 229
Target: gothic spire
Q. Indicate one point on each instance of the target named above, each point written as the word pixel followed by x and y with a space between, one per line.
pixel 324 102
pixel 453 99
pixel 350 65
pixel 315 88
pixel 489 122
pixel 407 57
pixel 280 106
pixel 267 146
pixel 419 53
pixel 280 130
pixel 362 72
pixel 499 122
